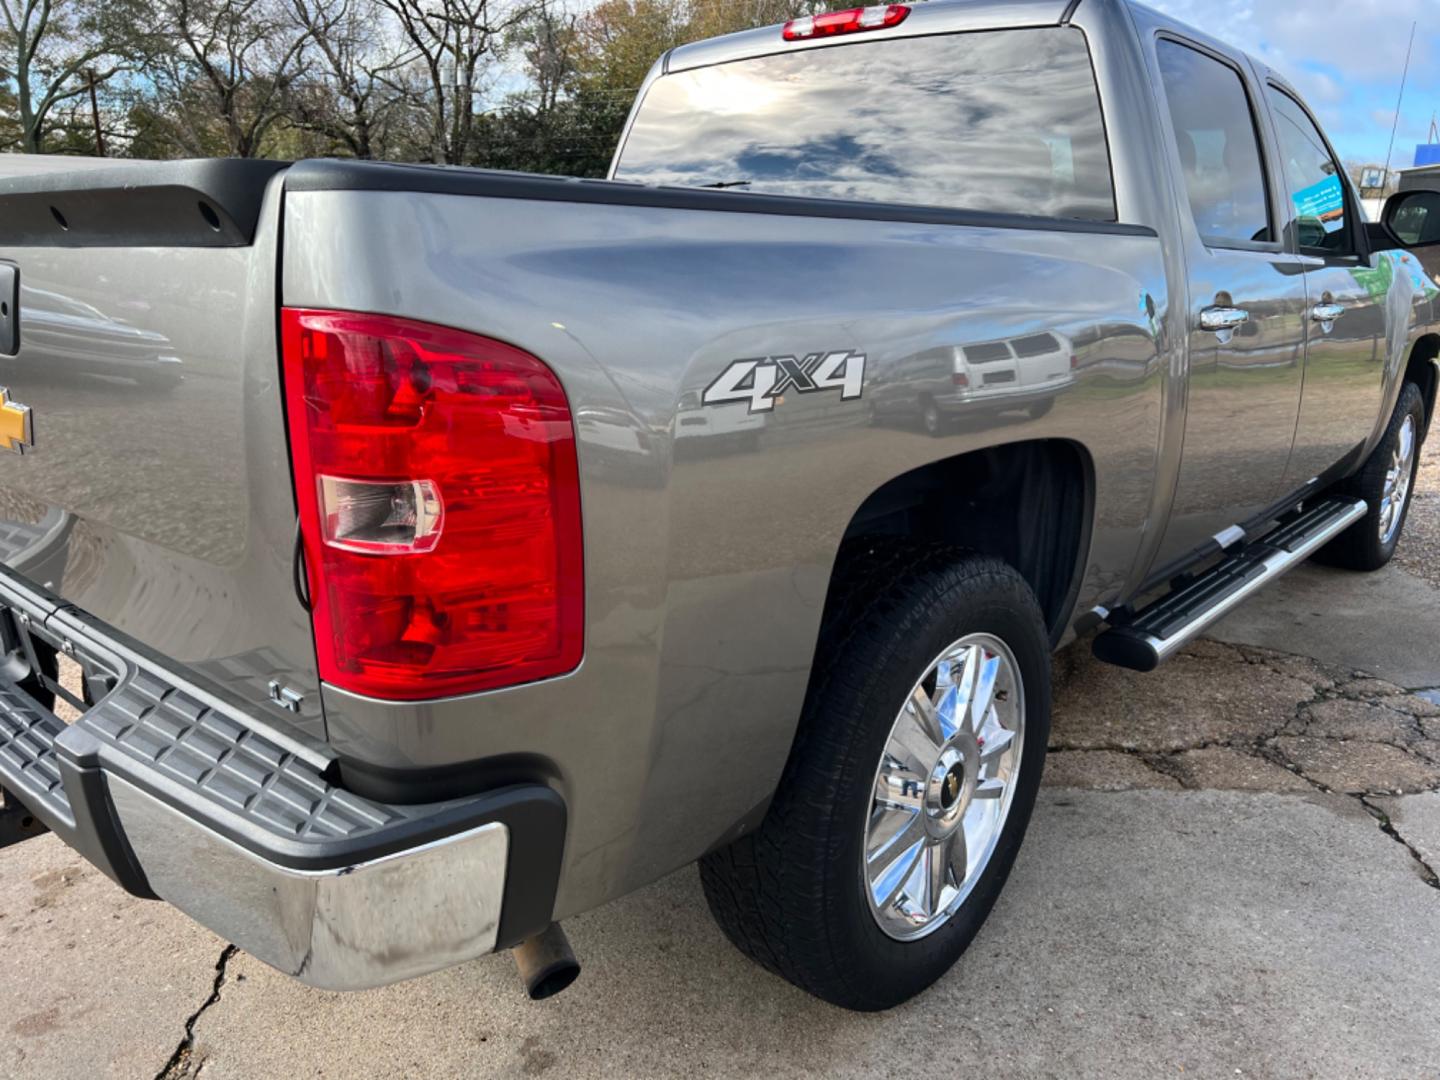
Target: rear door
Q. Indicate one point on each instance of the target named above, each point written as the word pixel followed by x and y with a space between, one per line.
pixel 1346 318
pixel 1247 299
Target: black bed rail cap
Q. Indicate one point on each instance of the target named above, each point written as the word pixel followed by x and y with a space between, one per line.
pixel 212 202
pixel 334 174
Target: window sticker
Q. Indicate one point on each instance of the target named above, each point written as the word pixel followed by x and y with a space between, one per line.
pixel 1323 202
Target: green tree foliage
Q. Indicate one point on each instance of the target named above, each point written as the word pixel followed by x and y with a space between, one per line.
pixel 52 52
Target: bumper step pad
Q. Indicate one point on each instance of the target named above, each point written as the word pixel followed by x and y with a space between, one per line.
pixel 229 764
pixel 1155 633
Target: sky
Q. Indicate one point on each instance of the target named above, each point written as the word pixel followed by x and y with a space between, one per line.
pixel 1345 58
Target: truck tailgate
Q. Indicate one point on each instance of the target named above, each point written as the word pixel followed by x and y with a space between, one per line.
pixel 157 489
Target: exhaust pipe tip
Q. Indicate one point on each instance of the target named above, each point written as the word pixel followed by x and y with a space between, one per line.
pixel 546 963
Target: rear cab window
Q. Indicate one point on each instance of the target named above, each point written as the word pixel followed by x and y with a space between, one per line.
pixel 1004 121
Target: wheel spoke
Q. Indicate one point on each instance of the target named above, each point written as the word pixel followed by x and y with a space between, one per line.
pixel 989 789
pixel 893 829
pixel 926 716
pixel 996 745
pixel 911 745
pixel 937 866
pixel 949 710
pixel 959 856
pixel 965 671
pixel 988 670
pixel 889 883
pixel 898 786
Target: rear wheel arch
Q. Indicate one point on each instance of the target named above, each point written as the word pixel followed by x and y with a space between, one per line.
pixel 1030 504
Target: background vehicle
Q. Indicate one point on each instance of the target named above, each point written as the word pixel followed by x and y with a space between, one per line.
pixel 1012 373
pixel 407 631
pixel 708 429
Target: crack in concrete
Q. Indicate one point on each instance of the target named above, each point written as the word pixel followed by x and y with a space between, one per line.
pixel 182 1062
pixel 1427 872
pixel 1261 746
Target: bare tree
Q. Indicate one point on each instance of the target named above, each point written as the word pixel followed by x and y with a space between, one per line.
pixel 548 40
pixel 352 89
pixel 452 41
pixel 224 76
pixel 52 52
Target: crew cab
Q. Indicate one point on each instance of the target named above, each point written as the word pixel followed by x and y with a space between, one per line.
pixel 496 544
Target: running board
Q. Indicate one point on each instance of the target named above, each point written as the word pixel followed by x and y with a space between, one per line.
pixel 1153 635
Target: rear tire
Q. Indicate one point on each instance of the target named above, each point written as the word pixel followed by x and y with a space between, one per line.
pixel 797 895
pixel 1386 483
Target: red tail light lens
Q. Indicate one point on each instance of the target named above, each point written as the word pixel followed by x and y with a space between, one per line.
pixel 440 504
pixel 853 20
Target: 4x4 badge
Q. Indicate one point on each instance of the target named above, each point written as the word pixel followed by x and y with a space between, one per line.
pixel 16 428
pixel 762 382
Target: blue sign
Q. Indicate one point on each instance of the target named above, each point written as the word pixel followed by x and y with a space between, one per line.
pixel 1323 202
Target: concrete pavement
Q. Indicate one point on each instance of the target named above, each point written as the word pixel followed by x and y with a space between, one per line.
pixel 1388 623
pixel 1231 873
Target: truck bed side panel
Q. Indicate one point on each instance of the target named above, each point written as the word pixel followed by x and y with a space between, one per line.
pixel 708 554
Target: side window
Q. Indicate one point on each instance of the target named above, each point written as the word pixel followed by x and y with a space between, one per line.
pixel 1219 149
pixel 1313 179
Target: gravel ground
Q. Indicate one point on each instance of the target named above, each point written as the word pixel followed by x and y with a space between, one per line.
pixel 1419 550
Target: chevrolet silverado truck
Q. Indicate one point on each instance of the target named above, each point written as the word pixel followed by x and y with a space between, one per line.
pixel 394 628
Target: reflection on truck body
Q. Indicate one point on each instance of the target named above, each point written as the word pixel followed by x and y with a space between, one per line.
pixel 932 386
pixel 80 336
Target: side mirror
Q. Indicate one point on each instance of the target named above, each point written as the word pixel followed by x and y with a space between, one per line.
pixel 1413 217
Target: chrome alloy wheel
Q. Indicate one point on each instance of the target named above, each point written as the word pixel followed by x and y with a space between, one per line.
pixel 1397 481
pixel 944 787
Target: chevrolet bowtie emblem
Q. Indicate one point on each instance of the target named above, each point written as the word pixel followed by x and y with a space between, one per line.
pixel 16 430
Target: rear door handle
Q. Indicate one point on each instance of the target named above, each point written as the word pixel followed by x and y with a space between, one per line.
pixel 1219 319
pixel 1323 313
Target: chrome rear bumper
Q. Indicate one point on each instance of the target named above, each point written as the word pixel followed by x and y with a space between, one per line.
pixel 355 926
pixel 177 794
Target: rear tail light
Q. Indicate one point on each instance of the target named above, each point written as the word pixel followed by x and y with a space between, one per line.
pixel 961 379
pixel 851 21
pixel 439 499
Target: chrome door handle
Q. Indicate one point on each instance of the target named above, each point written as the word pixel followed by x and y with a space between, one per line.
pixel 1326 312
pixel 1219 319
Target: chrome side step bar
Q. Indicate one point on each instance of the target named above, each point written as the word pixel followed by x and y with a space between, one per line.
pixel 1153 635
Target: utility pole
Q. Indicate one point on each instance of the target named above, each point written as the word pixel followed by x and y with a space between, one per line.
pixel 95 113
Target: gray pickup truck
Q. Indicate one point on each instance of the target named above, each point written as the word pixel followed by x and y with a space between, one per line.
pixel 431 555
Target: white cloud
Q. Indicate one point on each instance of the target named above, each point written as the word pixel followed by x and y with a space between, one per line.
pixel 1362 39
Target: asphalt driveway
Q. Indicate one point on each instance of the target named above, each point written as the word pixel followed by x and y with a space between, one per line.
pixel 1231 873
